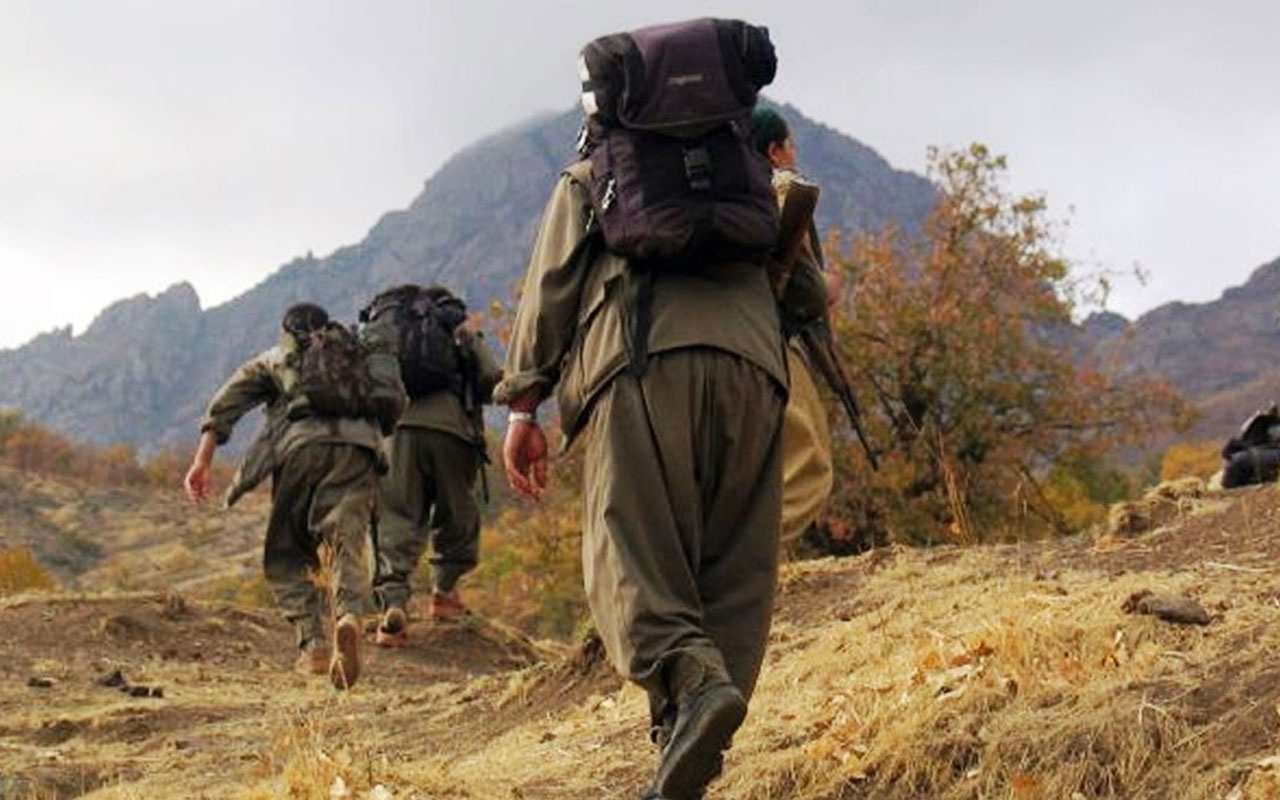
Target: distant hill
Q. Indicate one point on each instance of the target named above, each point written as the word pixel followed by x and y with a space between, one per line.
pixel 1223 354
pixel 142 372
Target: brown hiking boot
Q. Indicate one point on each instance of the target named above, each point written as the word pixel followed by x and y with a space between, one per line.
pixel 393 630
pixel 448 606
pixel 344 669
pixel 313 659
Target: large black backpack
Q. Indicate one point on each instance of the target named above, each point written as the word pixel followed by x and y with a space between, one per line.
pixel 421 325
pixel 329 375
pixel 674 176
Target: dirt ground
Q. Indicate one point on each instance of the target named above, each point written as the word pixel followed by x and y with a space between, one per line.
pixel 150 695
pixel 155 691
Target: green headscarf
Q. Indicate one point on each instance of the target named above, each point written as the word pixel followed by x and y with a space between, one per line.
pixel 767 127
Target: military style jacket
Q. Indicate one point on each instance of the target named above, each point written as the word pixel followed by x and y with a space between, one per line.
pixel 569 330
pixel 444 410
pixel 259 381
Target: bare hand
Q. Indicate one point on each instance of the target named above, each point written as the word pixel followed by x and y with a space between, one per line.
pixel 524 453
pixel 197 482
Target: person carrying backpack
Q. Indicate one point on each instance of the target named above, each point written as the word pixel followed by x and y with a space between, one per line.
pixel 328 400
pixel 437 452
pixel 1253 456
pixel 647 309
pixel 807 466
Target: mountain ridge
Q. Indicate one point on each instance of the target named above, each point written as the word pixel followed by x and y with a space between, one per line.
pixel 143 370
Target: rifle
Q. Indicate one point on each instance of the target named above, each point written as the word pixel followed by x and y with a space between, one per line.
pixel 794 224
pixel 819 345
pixel 812 325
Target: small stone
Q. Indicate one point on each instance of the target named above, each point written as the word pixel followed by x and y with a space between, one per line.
pixel 112 679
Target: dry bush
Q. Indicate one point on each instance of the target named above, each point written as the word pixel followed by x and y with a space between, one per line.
pixel 960 338
pixel 251 591
pixel 1160 505
pixel 530 571
pixel 1199 459
pixel 33 448
pixel 20 571
pixel 310 759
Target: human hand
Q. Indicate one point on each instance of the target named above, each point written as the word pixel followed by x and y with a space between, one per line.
pixel 197 482
pixel 524 455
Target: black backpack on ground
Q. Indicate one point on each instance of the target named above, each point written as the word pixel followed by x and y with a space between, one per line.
pixel 674 176
pixel 421 327
pixel 329 375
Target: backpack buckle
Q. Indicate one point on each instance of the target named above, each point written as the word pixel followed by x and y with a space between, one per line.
pixel 610 194
pixel 697 168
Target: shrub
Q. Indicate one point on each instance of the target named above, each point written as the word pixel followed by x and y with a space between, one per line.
pixel 21 571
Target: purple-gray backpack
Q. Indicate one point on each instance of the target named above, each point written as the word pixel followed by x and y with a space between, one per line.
pixel 674 177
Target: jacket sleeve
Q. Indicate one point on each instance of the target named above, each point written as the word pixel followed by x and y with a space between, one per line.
pixel 251 385
pixel 546 318
pixel 488 372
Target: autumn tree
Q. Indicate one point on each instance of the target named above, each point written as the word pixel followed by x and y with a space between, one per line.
pixel 961 339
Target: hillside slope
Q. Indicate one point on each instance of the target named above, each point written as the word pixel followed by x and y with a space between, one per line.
pixel 950 673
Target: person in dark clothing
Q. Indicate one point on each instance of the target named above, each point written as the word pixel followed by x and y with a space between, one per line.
pixel 1253 456
pixel 428 495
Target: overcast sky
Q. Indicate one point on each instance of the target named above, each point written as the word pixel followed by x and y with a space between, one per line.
pixel 146 143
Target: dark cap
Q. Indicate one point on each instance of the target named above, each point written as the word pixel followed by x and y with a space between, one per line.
pixel 303 318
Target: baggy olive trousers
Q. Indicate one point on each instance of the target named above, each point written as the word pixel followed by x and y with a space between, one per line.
pixel 322 493
pixel 682 511
pixel 807 467
pixel 428 497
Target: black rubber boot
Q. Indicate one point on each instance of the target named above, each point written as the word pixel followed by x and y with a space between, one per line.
pixel 705 725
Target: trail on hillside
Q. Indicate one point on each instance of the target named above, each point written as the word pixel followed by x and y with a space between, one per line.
pixel 1009 671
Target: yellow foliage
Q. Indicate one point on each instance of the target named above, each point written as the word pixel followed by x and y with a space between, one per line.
pixel 20 571
pixel 1199 459
pixel 1069 495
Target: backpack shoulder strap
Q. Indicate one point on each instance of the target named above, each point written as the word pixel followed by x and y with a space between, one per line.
pixel 579 171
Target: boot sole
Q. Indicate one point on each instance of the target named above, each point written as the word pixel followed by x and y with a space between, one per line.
pixel 344 670
pixel 391 640
pixel 694 754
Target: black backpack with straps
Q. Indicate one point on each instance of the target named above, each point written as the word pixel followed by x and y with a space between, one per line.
pixel 674 176
pixel 420 325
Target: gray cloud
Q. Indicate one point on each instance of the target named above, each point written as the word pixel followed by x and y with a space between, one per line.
pixel 146 143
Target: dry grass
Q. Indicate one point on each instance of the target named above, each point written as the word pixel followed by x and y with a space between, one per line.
pixel 982 673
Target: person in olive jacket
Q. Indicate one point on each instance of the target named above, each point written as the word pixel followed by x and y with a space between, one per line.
pixel 324 480
pixel 429 493
pixel 682 476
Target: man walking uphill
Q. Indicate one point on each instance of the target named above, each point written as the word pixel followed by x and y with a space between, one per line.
pixel 671 370
pixel 428 495
pixel 325 400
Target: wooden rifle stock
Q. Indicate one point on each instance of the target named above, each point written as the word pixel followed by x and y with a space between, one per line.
pixel 793 230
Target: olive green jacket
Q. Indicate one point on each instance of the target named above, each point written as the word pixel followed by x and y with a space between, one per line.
pixel 569 330
pixel 259 382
